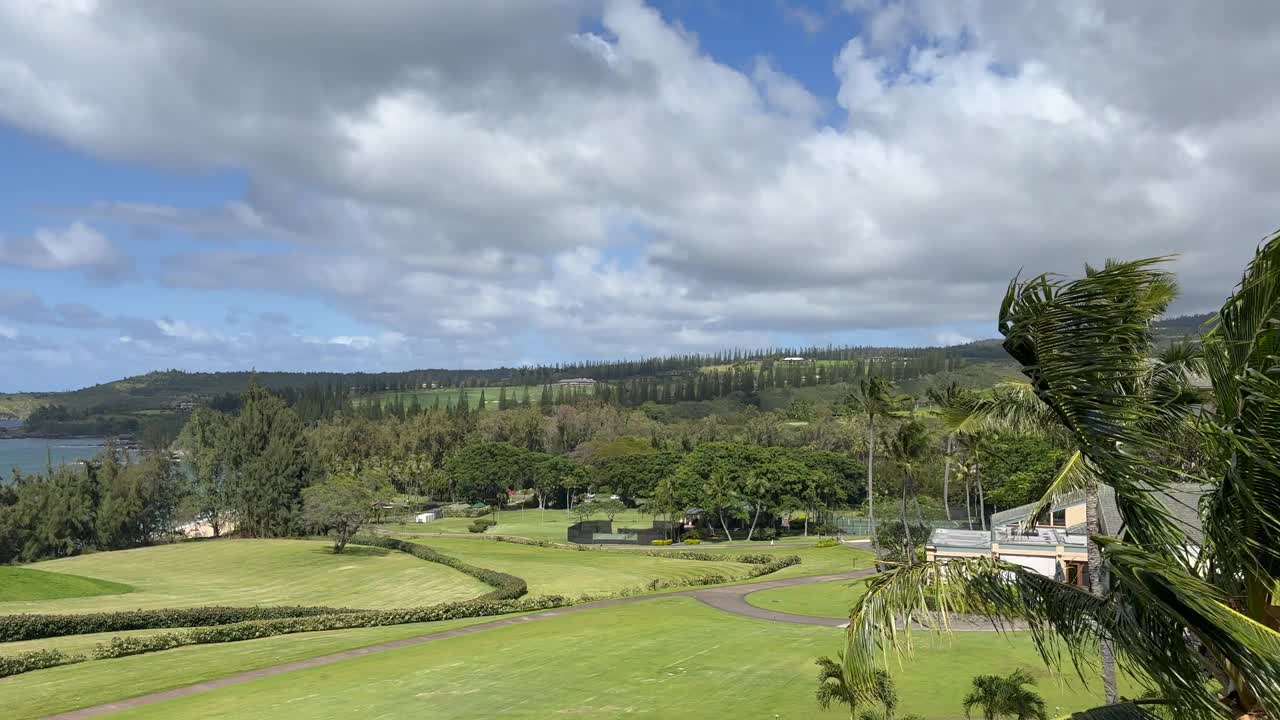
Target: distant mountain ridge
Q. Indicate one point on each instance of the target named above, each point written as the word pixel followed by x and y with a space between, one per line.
pixel 177 390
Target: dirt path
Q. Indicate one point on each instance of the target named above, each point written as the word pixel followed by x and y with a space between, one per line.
pixel 728 598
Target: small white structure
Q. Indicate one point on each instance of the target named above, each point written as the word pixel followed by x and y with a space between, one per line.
pixel 425 517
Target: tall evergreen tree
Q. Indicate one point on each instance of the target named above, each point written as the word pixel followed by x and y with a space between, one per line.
pixel 268 465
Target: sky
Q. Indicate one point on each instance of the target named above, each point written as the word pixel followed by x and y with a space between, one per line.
pixel 396 184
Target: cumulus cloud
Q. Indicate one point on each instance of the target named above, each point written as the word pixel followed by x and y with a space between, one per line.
pixel 457 172
pixel 78 247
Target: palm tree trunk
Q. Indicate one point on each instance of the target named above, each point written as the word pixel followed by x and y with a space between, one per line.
pixel 723 524
pixel 968 500
pixel 982 497
pixel 1092 514
pixel 871 487
pixel 946 478
pixel 753 523
pixel 906 528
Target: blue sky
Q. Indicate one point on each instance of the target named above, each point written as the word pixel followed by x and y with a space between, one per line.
pixel 478 183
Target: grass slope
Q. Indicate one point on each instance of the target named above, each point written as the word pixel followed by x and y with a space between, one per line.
pixel 61 689
pixel 551 524
pixel 25 584
pixel 829 599
pixel 257 572
pixel 665 658
pixel 551 571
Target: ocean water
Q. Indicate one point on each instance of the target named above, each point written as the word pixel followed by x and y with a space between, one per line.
pixel 31 455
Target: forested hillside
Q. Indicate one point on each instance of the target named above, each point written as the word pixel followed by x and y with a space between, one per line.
pixel 767 378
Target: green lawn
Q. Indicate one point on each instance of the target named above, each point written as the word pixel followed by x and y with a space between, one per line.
pixel 828 599
pixel 813 560
pixel 551 524
pixel 663 658
pixel 25 584
pixel 256 572
pixel 554 571
pixel 43 692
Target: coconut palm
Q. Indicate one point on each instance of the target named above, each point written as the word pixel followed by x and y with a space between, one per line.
pixel 874 400
pixel 945 397
pixel 907 446
pixel 1006 696
pixel 835 686
pixel 1198 623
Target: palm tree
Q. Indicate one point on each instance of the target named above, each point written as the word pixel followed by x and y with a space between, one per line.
pixel 1006 696
pixel 1197 621
pixel 944 397
pixel 834 686
pixel 873 400
pixel 907 447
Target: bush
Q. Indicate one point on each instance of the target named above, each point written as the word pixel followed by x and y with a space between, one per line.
pixel 694 534
pixel 253 629
pixel 477 528
pixel 660 542
pixel 35 660
pixel 826 543
pixel 692 541
pixel 505 587
pixel 825 529
pixel 125 646
pixel 766 534
pixel 14 628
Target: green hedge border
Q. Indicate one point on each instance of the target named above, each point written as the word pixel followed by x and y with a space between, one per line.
pixel 507 597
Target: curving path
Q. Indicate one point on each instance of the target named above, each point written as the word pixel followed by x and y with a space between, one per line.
pixel 728 598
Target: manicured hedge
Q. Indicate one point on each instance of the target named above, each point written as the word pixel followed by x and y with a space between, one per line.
pixel 253 629
pixel 34 627
pixel 505 587
pixel 35 660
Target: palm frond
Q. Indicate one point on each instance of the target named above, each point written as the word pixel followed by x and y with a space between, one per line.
pixel 1134 710
pixel 1075 474
pixel 1153 603
pixel 1242 357
pixel 1085 346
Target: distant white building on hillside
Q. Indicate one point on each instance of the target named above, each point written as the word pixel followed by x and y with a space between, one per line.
pixel 576 382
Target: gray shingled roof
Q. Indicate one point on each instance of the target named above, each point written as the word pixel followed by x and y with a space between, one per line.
pixel 1182 502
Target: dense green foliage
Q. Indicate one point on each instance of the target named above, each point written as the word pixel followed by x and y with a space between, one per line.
pixel 340 505
pixel 31 627
pixel 268 464
pixel 505 586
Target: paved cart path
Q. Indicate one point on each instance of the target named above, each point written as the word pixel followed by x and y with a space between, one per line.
pixel 727 598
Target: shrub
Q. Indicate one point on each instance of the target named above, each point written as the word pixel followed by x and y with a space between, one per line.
pixel 505 587
pixel 35 660
pixel 825 529
pixel 692 541
pixel 14 628
pixel 487 522
pixel 660 542
pixel 826 543
pixel 125 646
pixel 477 528
pixel 694 534
pixel 455 510
pixel 766 534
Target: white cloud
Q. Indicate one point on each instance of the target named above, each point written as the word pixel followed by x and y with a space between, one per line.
pixel 473 170
pixel 76 247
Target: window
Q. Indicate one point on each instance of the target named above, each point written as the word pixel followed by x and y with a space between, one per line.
pixel 1060 518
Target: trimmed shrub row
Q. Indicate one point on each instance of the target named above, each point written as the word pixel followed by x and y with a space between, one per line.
pixel 826 543
pixel 660 542
pixel 36 626
pixel 35 660
pixel 254 629
pixel 505 587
